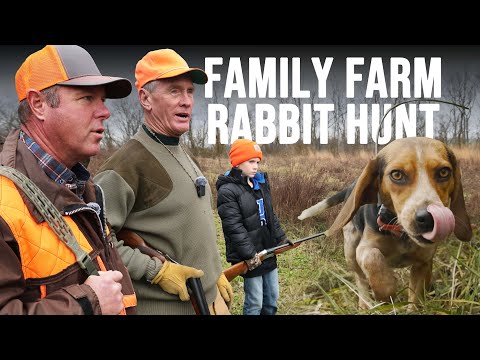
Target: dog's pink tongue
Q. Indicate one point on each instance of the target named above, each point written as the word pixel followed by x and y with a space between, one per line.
pixel 443 223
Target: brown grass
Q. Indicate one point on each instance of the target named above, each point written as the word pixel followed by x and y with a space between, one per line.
pixel 313 278
pixel 300 181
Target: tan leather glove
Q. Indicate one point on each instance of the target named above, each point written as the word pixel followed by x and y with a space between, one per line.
pixel 172 279
pixel 225 289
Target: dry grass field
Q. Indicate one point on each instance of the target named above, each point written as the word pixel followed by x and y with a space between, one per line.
pixel 313 277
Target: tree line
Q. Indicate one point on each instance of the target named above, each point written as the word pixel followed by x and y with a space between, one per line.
pixel 454 125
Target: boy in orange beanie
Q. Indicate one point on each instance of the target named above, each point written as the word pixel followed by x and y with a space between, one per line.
pixel 250 225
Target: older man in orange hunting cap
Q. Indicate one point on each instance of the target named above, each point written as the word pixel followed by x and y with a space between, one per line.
pixel 154 189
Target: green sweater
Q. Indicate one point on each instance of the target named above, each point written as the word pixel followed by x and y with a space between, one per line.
pixel 147 191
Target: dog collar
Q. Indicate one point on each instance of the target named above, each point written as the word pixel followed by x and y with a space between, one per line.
pixel 386 221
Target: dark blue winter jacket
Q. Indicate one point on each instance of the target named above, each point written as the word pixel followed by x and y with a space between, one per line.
pixel 249 223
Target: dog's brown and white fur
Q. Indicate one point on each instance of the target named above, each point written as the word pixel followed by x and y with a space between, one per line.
pixel 406 177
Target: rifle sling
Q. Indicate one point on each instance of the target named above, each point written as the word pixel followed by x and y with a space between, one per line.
pixel 51 215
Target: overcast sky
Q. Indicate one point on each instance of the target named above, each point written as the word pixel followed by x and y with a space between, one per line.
pixel 120 60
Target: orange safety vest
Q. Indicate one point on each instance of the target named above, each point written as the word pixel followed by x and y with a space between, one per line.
pixel 42 253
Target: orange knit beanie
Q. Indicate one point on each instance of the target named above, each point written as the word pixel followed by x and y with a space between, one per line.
pixel 244 150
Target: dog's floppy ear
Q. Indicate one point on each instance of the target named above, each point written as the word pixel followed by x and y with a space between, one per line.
pixel 364 192
pixel 463 228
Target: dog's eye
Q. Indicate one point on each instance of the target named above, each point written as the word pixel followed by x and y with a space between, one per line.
pixel 397 176
pixel 444 174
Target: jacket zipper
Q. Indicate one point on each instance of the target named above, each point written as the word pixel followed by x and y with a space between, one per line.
pixel 89 209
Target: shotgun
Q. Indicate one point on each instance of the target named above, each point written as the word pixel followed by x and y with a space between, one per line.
pixel 241 268
pixel 194 285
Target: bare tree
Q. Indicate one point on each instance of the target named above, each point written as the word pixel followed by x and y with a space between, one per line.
pixel 338 123
pixel 191 137
pixel 201 133
pixel 8 118
pixel 108 140
pixel 290 100
pixel 126 120
pixel 461 90
pixel 252 114
pixel 443 128
pixel 219 147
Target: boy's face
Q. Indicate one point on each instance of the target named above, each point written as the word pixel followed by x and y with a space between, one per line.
pixel 249 167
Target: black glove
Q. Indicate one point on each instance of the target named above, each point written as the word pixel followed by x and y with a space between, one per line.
pixel 286 241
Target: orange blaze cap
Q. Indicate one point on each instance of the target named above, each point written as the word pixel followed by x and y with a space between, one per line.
pixel 243 150
pixel 68 65
pixel 162 64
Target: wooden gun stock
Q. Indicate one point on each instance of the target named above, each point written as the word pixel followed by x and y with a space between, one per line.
pixel 235 270
pixel 241 268
pixel 135 241
pixel 194 285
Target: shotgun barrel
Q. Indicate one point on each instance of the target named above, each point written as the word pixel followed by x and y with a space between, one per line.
pixel 241 268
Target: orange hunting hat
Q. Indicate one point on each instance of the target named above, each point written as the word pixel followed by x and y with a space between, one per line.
pixel 68 65
pixel 162 64
pixel 244 150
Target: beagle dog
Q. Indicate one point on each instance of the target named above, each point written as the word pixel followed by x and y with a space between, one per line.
pixel 406 201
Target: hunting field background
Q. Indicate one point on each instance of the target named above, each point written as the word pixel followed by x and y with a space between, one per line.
pixel 313 277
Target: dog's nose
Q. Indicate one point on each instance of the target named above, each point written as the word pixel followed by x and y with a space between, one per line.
pixel 424 220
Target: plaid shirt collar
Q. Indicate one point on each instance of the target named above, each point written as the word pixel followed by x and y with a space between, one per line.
pixel 73 179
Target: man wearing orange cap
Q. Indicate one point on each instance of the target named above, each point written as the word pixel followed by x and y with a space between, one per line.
pixel 154 189
pixel 250 225
pixel 55 250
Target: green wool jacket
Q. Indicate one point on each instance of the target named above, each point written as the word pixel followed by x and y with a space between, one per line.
pixel 147 191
